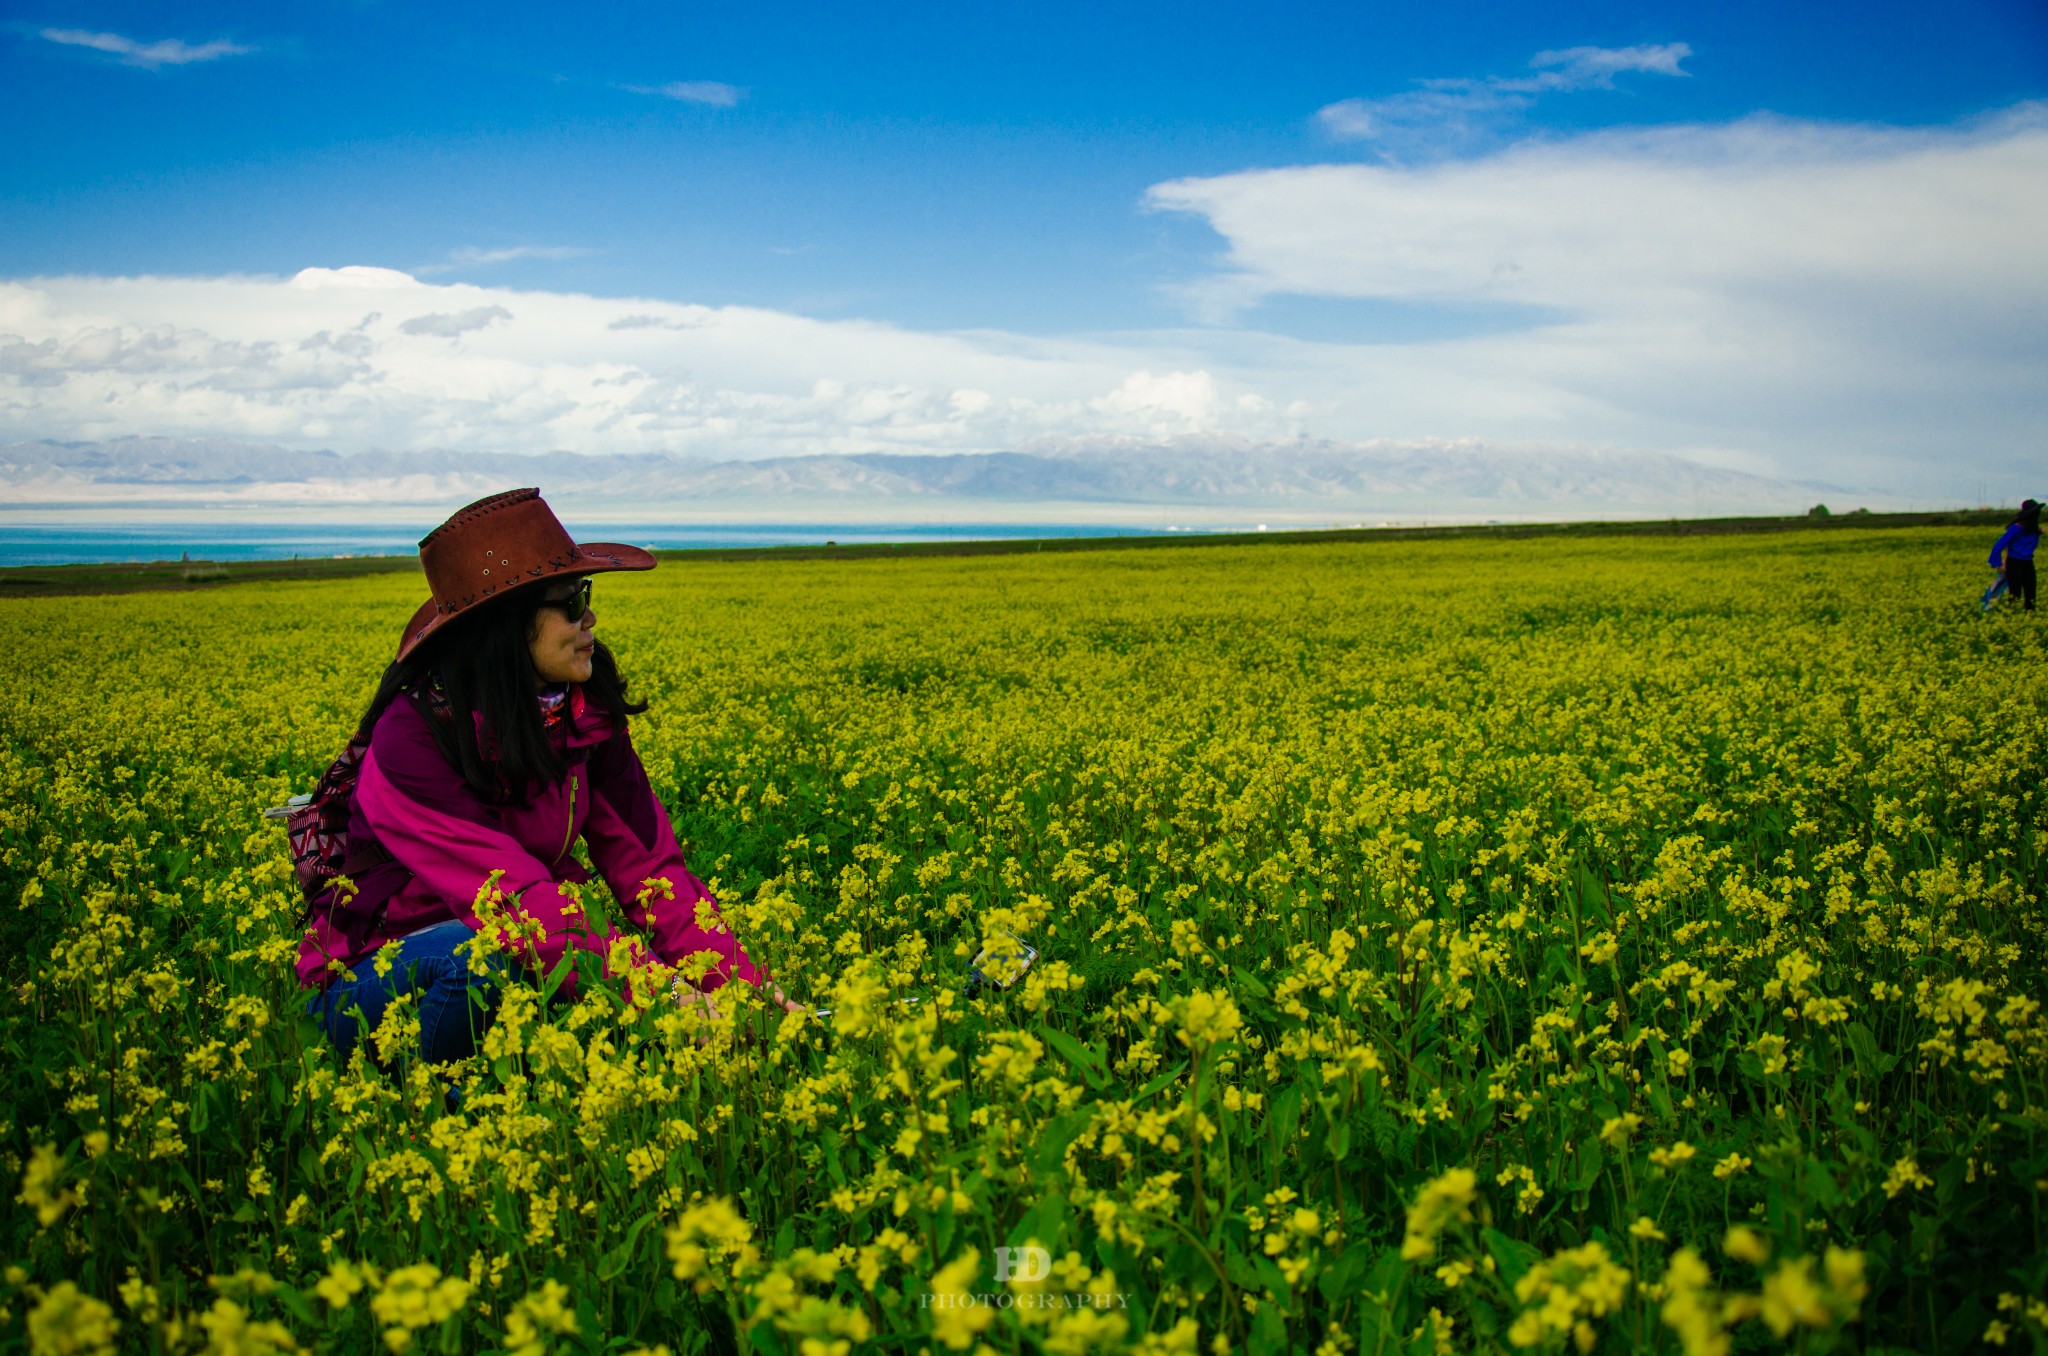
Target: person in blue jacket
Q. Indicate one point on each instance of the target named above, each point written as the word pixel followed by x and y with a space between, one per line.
pixel 2013 556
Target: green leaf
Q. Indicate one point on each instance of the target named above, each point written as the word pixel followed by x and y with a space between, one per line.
pixel 1269 1329
pixel 1593 896
pixel 1340 1278
pixel 1512 1256
pixel 614 1263
pixel 1384 1295
pixel 1821 1185
pixel 1287 1112
pixel 1170 1076
pixel 1052 1145
pixel 1086 1062
pixel 556 975
pixel 1242 1273
pixel 1339 1140
pixel 1044 1222
pixel 1274 1280
pixel 184 1176
pixel 1589 1156
pixel 1871 1062
pixel 300 1307
pixel 1250 983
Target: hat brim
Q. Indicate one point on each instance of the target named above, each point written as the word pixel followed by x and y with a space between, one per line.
pixel 595 557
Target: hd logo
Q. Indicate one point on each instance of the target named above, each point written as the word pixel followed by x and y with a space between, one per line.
pixel 1025 1264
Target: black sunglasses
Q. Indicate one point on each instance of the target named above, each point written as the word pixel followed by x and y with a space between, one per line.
pixel 574 605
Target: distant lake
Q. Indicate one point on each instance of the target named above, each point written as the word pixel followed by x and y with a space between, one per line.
pixel 71 544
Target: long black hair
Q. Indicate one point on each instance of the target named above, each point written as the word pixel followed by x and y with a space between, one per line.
pixel 2030 518
pixel 479 664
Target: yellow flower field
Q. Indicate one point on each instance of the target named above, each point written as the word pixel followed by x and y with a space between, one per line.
pixel 1592 945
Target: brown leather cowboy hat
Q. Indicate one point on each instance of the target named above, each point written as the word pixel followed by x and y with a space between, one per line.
pixel 508 541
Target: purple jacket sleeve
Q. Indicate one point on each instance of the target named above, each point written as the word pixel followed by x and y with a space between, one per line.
pixel 428 818
pixel 634 848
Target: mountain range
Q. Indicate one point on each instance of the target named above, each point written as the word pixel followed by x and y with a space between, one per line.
pixel 1191 479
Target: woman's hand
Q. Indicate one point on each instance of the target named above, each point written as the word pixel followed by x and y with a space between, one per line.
pixel 689 996
pixel 788 1004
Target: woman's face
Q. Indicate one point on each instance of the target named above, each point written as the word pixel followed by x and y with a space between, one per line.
pixel 561 648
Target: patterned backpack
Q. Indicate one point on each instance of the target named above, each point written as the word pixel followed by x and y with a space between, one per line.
pixel 317 824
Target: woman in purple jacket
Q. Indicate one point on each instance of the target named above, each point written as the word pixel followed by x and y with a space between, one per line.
pixel 497 738
pixel 2013 555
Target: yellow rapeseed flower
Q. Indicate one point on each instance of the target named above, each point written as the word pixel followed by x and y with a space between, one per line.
pixel 68 1322
pixel 1442 1203
pixel 231 1332
pixel 1691 1308
pixel 1206 1018
pixel 416 1297
pixel 1745 1244
pixel 40 1190
pixel 956 1315
pixel 538 1314
pixel 710 1243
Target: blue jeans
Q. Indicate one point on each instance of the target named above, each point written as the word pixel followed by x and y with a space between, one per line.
pixel 455 1007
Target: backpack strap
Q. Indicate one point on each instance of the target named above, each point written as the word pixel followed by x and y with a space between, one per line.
pixel 318 828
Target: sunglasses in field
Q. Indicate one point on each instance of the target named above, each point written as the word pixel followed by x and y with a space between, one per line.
pixel 573 605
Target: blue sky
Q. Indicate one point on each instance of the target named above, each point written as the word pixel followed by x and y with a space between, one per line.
pixel 937 169
pixel 952 165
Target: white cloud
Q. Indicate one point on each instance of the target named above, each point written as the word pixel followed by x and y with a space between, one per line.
pixel 148 55
pixel 646 322
pixel 471 256
pixel 1448 114
pixel 352 277
pixel 1626 220
pixel 714 93
pixel 1862 305
pixel 1876 292
pixel 1168 403
pixel 1580 67
pixel 450 326
pixel 363 356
